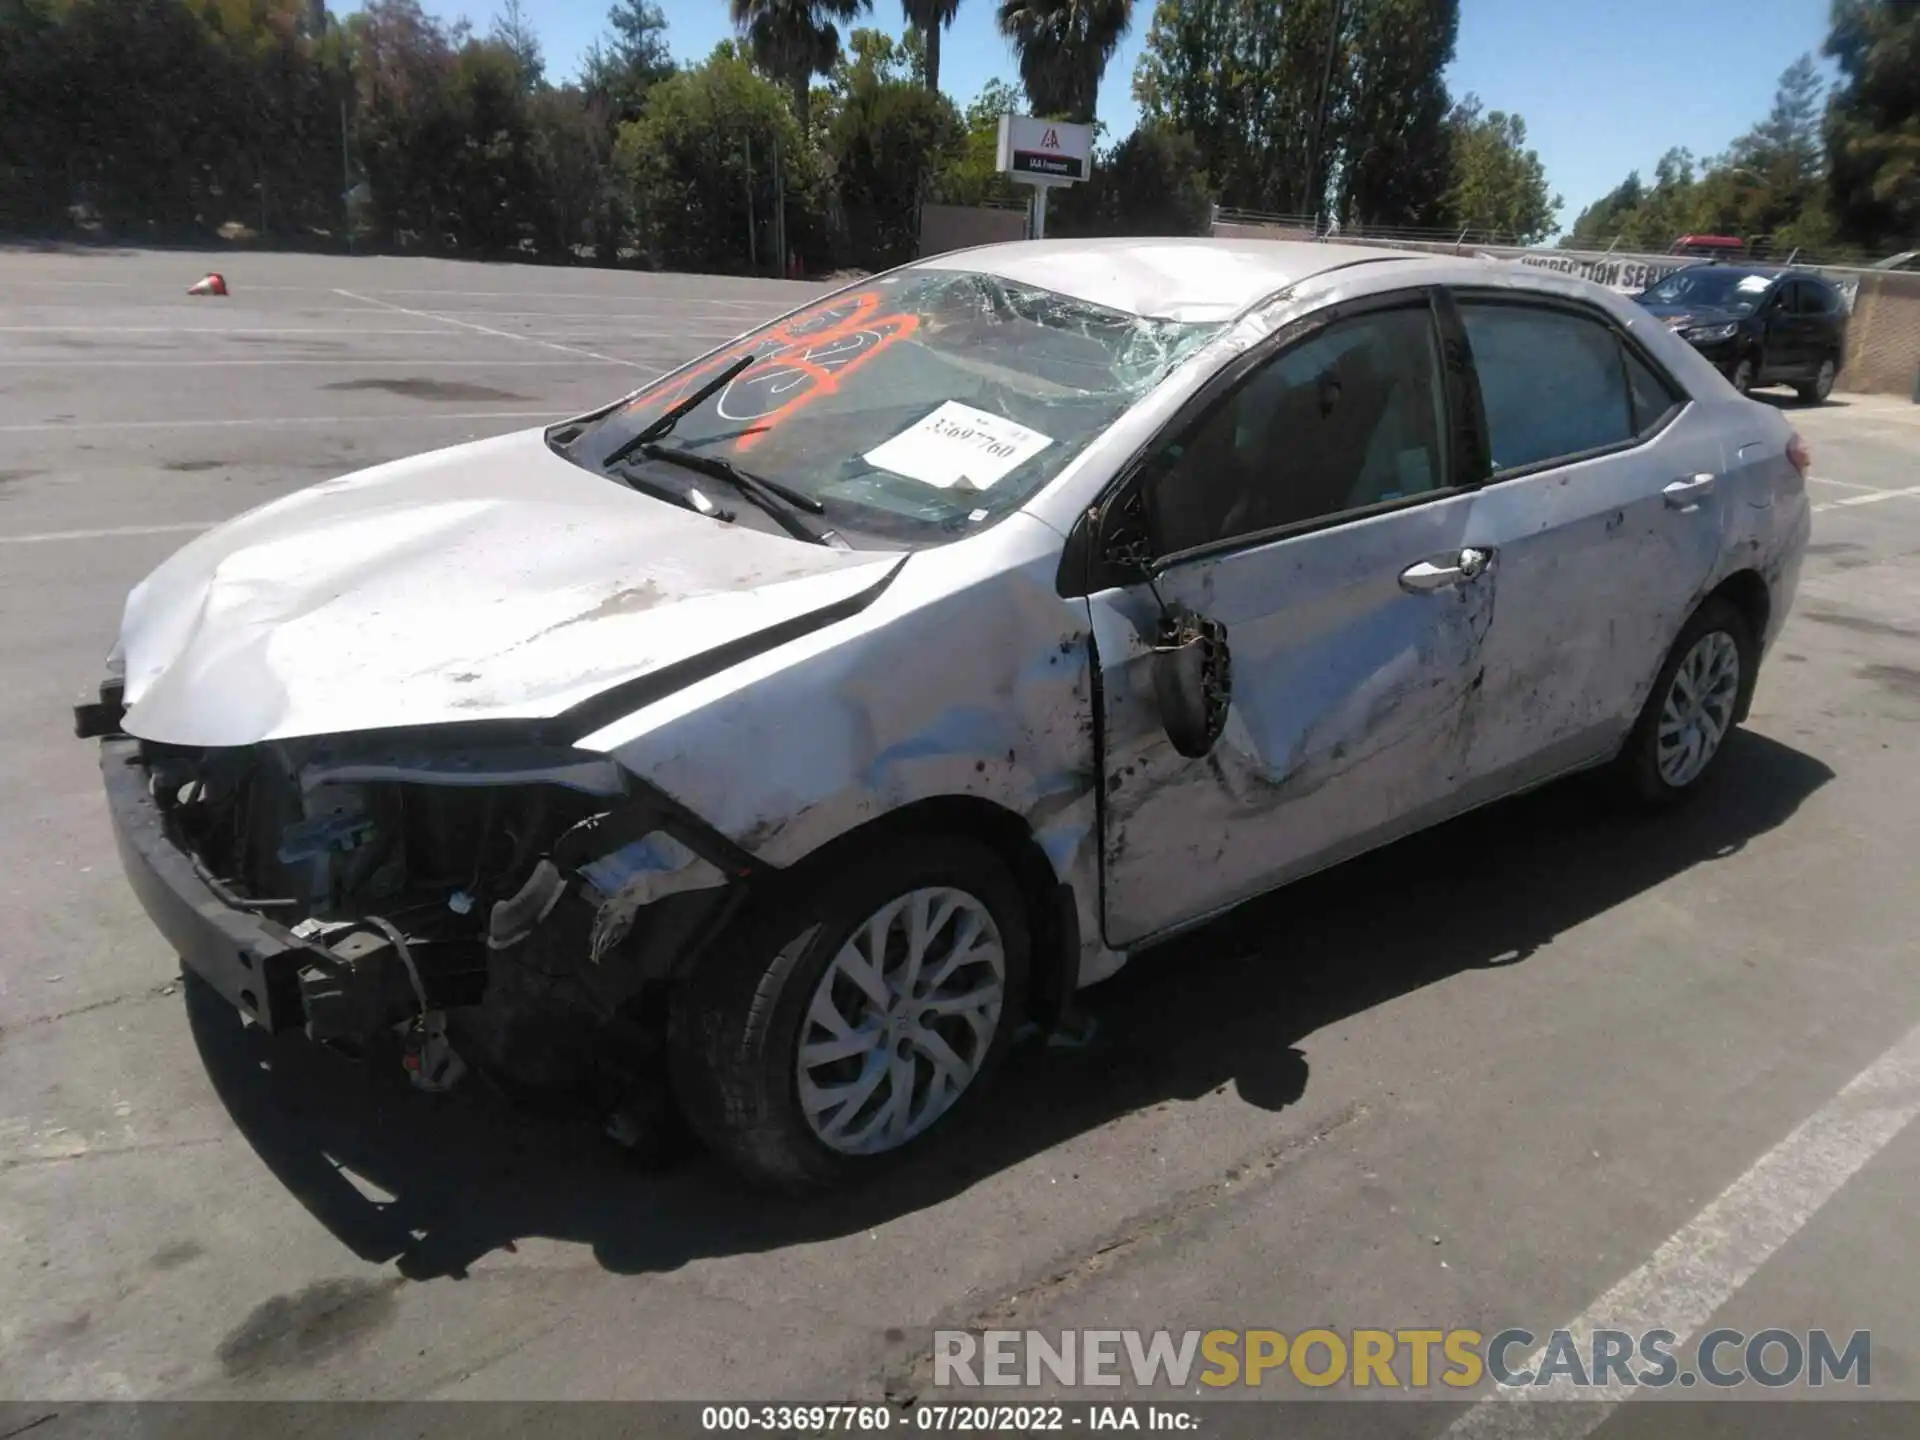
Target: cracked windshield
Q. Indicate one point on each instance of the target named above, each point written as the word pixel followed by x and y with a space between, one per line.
pixel 917 408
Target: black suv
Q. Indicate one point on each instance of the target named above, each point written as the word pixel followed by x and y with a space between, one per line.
pixel 1760 327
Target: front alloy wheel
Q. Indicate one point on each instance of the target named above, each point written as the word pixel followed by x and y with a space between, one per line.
pixel 854 1012
pixel 902 1021
pixel 1743 376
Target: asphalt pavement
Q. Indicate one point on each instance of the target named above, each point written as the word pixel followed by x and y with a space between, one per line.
pixel 1528 1069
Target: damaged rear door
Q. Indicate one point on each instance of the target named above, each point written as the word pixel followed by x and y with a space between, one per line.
pixel 1307 507
pixel 1607 506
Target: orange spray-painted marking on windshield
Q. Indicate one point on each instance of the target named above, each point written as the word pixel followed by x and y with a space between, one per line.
pixel 790 349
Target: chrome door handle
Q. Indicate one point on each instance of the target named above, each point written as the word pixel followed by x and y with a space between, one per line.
pixel 1427 575
pixel 1688 491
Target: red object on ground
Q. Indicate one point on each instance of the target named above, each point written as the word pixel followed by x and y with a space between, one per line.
pixel 214 284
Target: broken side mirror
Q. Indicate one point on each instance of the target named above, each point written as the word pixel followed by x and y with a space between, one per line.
pixel 1191 664
pixel 1192 681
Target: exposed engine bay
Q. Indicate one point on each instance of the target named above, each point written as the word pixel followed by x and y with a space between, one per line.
pixel 518 909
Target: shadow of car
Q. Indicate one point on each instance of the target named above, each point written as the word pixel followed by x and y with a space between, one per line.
pixel 468 1172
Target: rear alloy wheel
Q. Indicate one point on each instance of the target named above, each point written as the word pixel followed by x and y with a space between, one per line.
pixel 1816 390
pixel 1743 376
pixel 1701 688
pixel 855 1018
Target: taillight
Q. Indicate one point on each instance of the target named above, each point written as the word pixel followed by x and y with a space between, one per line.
pixel 1799 456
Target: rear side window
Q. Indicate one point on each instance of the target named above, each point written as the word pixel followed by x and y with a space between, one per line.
pixel 1553 383
pixel 1654 398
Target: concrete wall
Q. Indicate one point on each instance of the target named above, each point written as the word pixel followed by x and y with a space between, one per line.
pixel 1883 337
pixel 956 227
pixel 1239 230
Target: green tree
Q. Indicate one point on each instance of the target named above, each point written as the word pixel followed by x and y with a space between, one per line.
pixel 1772 181
pixel 1154 182
pixel 37 156
pixel 1317 106
pixel 1388 128
pixel 794 40
pixel 889 141
pixel 929 19
pixel 1192 79
pixel 573 152
pixel 696 169
pixel 406 134
pixel 619 70
pixel 513 31
pixel 498 202
pixel 1063 48
pixel 1873 122
pixel 1497 186
pixel 1600 225
pixel 867 57
pixel 974 177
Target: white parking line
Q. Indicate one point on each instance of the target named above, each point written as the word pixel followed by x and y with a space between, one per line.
pixel 1871 499
pixel 1843 484
pixel 669 301
pixel 489 330
pixel 109 532
pixel 1700 1268
pixel 346 331
pixel 722 326
pixel 338 362
pixel 263 422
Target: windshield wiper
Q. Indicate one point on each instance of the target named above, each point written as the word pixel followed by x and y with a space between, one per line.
pixel 670 417
pixel 783 502
pixel 687 498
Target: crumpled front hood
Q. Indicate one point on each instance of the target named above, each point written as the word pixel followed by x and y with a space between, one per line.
pixel 489 581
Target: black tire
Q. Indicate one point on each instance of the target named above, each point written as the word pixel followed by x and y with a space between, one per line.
pixel 1637 770
pixel 1745 375
pixel 738 1022
pixel 1816 390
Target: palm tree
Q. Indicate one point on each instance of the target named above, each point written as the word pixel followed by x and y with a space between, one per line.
pixel 930 17
pixel 795 39
pixel 1064 47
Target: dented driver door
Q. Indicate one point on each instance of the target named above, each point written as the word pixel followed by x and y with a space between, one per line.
pixel 1314 508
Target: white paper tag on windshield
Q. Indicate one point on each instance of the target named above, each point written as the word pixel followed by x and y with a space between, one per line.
pixel 958 444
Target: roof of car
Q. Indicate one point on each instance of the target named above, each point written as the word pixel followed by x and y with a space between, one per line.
pixel 1169 278
pixel 1764 272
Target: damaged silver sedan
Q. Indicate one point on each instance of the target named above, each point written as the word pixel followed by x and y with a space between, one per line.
pixel 785 738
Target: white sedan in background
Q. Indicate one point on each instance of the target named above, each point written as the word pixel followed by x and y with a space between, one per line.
pixel 785 737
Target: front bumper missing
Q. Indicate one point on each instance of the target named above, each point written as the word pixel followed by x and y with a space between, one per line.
pixel 247 958
pixel 344 982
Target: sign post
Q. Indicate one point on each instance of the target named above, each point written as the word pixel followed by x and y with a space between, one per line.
pixel 1044 154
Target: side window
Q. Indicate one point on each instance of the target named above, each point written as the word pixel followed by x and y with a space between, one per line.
pixel 1654 398
pixel 1552 382
pixel 1822 299
pixel 1799 299
pixel 1349 417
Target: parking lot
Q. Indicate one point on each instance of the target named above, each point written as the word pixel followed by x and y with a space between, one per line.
pixel 1537 1065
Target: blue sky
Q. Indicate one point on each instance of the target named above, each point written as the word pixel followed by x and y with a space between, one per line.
pixel 1604 88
